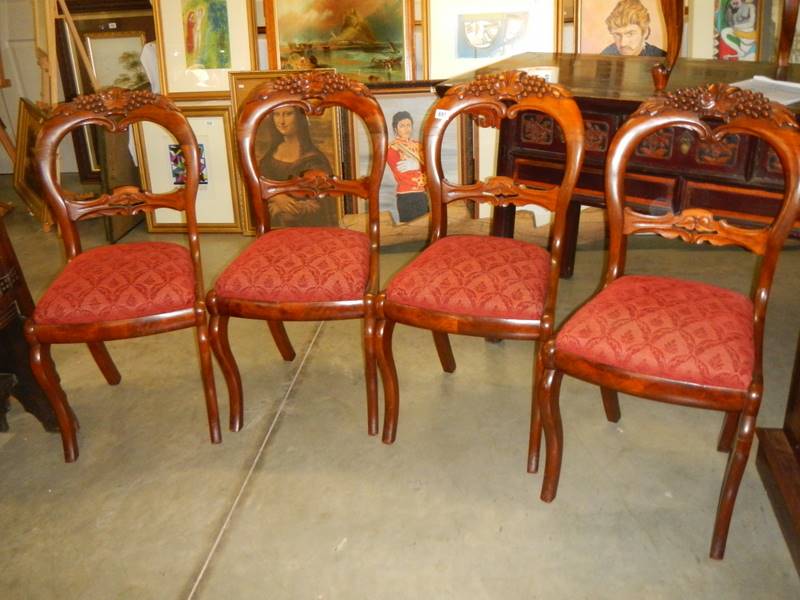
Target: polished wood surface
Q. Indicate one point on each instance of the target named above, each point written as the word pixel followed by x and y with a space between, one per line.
pixel 694 109
pixel 313 93
pixel 742 177
pixel 491 100
pixel 116 110
pixel 16 304
pixel 778 462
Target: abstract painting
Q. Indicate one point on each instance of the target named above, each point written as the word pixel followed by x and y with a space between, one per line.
pixel 736 25
pixel 178 165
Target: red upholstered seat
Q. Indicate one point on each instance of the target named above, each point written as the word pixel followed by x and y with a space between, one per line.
pixel 300 264
pixel 664 327
pixel 480 276
pixel 123 281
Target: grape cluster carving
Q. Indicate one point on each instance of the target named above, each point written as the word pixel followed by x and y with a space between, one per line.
pixel 512 85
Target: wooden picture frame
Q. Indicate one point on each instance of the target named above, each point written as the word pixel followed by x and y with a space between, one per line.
pixel 26 181
pixel 325 132
pixel 470 34
pixel 200 41
pixel 114 56
pixel 594 37
pixel 302 35
pixel 218 197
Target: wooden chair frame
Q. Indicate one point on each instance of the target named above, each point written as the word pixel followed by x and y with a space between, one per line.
pixel 313 93
pixel 741 112
pixel 490 99
pixel 116 110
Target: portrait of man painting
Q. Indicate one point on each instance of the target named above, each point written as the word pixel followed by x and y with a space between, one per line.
pixel 205 34
pixel 491 34
pixel 736 30
pixel 621 28
pixel 367 40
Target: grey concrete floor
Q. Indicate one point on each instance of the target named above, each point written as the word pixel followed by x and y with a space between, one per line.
pixel 302 503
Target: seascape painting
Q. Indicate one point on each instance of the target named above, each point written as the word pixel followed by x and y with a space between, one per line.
pixel 363 39
pixel 205 34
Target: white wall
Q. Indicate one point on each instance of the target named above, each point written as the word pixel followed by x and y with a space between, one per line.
pixel 19 61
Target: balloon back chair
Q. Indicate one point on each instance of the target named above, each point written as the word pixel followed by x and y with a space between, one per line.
pixel 481 285
pixel 668 339
pixel 124 290
pixel 302 273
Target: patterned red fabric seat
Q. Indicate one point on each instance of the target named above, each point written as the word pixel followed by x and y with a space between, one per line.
pixel 299 264
pixel 479 276
pixel 664 327
pixel 123 281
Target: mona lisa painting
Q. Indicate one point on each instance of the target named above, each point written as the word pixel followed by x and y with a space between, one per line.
pixel 205 32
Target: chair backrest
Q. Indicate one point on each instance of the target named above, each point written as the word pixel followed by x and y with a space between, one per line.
pixel 116 110
pixel 711 111
pixel 490 99
pixel 312 92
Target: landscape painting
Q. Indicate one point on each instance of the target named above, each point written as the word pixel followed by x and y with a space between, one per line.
pixel 367 40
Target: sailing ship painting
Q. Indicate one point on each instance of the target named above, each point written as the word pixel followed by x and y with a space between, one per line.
pixel 364 39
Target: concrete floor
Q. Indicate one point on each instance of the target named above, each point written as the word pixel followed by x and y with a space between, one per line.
pixel 303 504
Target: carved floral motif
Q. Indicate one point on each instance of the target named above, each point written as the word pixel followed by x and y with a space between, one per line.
pixel 312 84
pixel 113 102
pixel 720 101
pixel 509 85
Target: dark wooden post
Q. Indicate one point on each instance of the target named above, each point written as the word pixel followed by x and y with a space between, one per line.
pixel 673 17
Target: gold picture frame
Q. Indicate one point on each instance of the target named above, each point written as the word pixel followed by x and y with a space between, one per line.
pixel 325 130
pixel 218 197
pixel 196 56
pixel 344 41
pixel 26 181
pixel 114 56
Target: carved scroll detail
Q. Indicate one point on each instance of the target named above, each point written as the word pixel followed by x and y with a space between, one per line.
pixel 509 85
pixel 695 226
pixel 306 85
pixel 503 191
pixel 125 202
pixel 113 102
pixel 719 101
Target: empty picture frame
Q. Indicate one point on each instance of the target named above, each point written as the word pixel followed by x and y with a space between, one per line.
pixel 200 41
pixel 366 40
pixel 159 167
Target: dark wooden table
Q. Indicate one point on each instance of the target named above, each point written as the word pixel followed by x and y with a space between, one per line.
pixel 671 169
pixel 15 304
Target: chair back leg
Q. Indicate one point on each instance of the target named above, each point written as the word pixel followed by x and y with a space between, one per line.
pixel 105 362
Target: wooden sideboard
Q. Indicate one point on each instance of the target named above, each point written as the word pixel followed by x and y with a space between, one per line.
pixel 671 169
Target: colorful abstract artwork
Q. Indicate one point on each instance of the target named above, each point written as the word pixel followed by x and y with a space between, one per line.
pixel 736 29
pixel 178 165
pixel 364 39
pixel 205 33
pixel 491 34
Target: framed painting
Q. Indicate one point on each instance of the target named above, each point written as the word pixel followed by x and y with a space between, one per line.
pixel 471 34
pixel 162 169
pixel 402 193
pixel 621 28
pixel 26 182
pixel 736 29
pixel 320 135
pixel 366 40
pixel 200 41
pixel 115 58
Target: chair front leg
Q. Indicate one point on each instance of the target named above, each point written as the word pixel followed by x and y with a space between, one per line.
pixel 535 436
pixel 391 394
pixel 207 374
pixel 371 368
pixel 105 362
pixel 278 331
pixel 550 387
pixel 737 461
pixel 445 351
pixel 220 343
pixel 47 377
